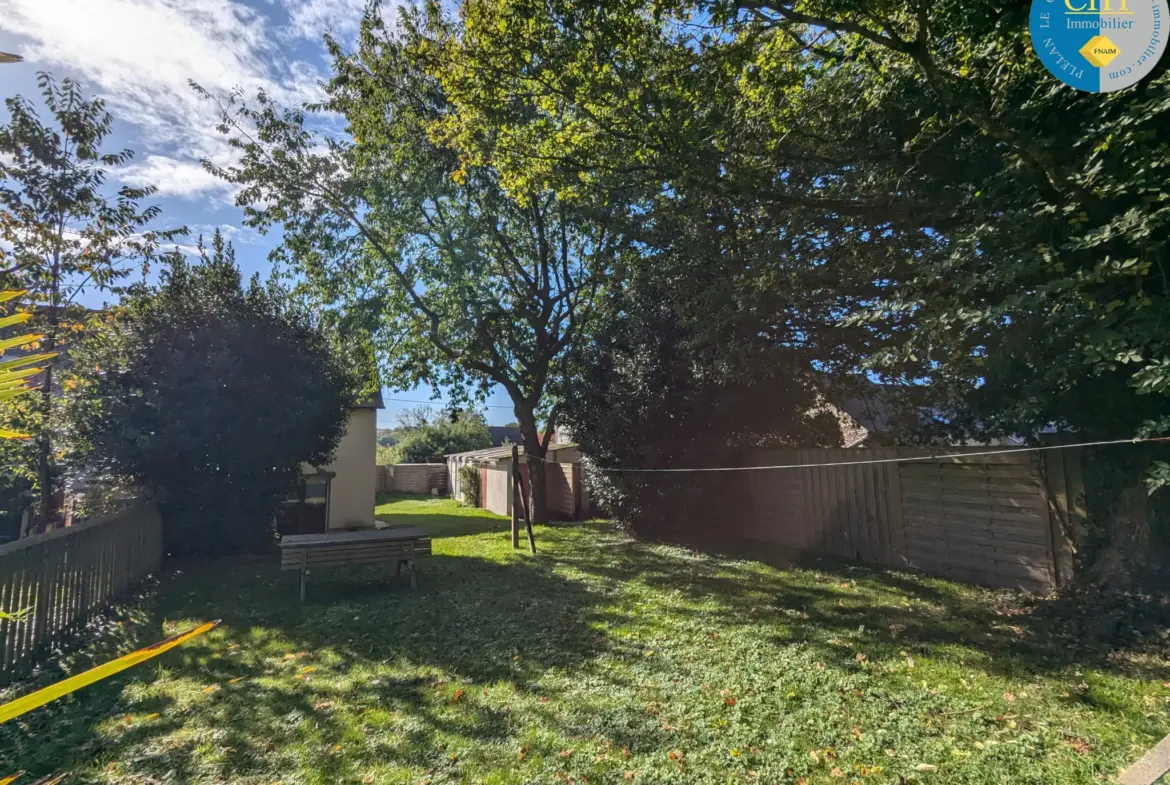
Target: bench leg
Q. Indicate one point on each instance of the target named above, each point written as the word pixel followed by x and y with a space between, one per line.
pixel 398 572
pixel 303 584
pixel 413 580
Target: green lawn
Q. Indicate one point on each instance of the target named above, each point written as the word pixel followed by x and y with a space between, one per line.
pixel 600 660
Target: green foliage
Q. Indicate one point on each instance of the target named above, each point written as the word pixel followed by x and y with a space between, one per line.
pixel 60 235
pixel 211 394
pixel 463 284
pixel 383 455
pixel 430 443
pixel 906 186
pixel 677 666
pixel 469 484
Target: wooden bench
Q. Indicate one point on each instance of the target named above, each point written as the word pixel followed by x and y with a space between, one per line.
pixel 340 549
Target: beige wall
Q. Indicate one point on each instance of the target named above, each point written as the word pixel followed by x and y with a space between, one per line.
pixel 351 500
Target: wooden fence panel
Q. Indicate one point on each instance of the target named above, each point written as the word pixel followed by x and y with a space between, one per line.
pixel 978 518
pixel 411 478
pixel 63 576
pixel 979 522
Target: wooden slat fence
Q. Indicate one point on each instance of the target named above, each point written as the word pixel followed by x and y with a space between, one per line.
pixel 412 478
pixel 992 520
pixel 65 576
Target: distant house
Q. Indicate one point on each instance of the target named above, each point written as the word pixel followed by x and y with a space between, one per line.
pixel 505 434
pixel 341 495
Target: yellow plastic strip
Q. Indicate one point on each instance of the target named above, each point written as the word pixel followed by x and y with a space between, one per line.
pixel 52 779
pixel 11 778
pixel 66 686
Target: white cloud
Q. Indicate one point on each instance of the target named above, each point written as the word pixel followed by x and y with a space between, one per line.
pixel 313 18
pixel 139 54
pixel 173 177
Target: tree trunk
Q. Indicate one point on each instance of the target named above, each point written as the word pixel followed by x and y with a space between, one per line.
pixel 534 454
pixel 44 476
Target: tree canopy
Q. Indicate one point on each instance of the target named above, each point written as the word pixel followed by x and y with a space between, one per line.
pixel 462 283
pixel 61 234
pixel 439 435
pixel 952 220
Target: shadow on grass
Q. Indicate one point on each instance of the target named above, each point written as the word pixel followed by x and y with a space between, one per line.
pixel 264 691
pixel 474 620
pixel 814 600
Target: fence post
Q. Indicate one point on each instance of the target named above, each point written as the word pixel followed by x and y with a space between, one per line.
pixel 516 489
pixel 41 608
pixel 1061 508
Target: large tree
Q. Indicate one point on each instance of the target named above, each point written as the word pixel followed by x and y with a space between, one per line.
pixel 210 394
pixel 61 234
pixel 463 283
pixel 1013 230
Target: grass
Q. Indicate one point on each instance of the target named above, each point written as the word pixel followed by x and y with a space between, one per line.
pixel 600 660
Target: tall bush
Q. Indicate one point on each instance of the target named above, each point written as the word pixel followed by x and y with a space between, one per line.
pixel 211 393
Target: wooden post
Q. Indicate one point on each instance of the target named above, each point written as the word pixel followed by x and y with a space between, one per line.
pixel 1060 512
pixel 527 517
pixel 517 489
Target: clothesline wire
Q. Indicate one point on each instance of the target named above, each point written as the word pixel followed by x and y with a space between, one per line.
pixel 931 457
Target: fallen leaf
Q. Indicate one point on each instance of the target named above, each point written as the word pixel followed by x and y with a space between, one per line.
pixel 237 679
pixel 1079 746
pixel 926 768
pixel 625 752
pixel 308 669
pixel 836 773
pixel 336 748
pixel 816 758
pixel 458 694
pixel 151 716
pixel 909 661
pixel 729 701
pixel 676 755
pixel 861 657
pixel 565 753
pixel 366 780
pixel 212 688
pixel 1009 697
pixel 323 705
pixel 629 775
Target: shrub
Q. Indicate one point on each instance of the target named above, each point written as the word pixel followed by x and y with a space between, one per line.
pixel 211 394
pixel 469 484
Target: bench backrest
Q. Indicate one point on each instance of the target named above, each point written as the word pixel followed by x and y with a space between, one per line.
pixel 341 554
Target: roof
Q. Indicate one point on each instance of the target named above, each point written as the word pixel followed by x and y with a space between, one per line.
pixel 489 453
pixel 502 433
pixel 373 402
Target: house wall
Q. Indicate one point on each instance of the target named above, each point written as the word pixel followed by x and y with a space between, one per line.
pixel 351 500
pixel 562 484
pixel 495 484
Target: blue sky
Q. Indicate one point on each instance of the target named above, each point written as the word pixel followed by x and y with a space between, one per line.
pixel 139 54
